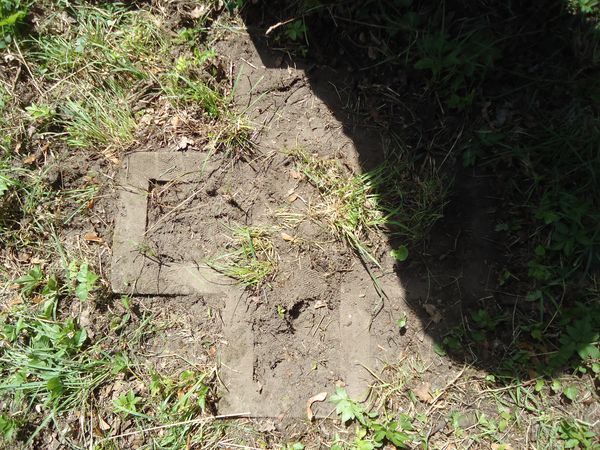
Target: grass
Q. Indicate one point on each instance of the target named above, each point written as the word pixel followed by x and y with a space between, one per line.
pixel 88 75
pixel 252 260
pixel 51 368
pixel 89 72
pixel 387 198
pixel 102 118
pixel 47 362
pixel 110 65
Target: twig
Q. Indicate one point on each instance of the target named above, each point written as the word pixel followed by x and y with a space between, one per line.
pixel 176 424
pixel 230 445
pixel 33 80
pixel 277 25
pixel 443 391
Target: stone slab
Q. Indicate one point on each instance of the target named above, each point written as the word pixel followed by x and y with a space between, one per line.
pixel 135 273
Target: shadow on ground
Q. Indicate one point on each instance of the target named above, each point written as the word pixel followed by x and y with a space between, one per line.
pixel 500 101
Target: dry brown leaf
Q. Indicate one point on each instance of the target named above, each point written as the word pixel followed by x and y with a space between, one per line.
pixel 16 300
pixel 29 159
pixel 320 397
pixel 102 424
pixel 320 304
pixel 433 312
pixel 198 12
pixel 422 391
pixel 184 143
pixel 287 237
pixel 92 237
pixel 24 257
pixel 292 198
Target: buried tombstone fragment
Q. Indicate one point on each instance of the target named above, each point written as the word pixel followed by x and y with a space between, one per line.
pixel 270 364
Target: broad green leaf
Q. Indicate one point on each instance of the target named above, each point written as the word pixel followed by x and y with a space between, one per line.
pixel 570 392
pixel 12 19
pixel 86 280
pixel 439 350
pixel 401 322
pixel 589 351
pixel 55 387
pixel 31 280
pixel 347 408
pixel 5 183
pixel 8 427
pixel 400 254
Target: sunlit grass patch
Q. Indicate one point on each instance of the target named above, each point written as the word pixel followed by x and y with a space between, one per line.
pixel 385 198
pixel 104 42
pixel 101 117
pixel 252 260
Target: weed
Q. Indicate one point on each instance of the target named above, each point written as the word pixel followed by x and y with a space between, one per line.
pixel 457 64
pixel 12 13
pixel 296 30
pixel 575 435
pixel 252 261
pixel 42 114
pixel 373 432
pixel 83 279
pixel 46 363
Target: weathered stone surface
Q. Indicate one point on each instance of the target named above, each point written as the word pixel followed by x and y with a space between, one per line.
pixel 133 272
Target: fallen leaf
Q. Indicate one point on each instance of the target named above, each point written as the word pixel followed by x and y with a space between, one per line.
pixel 292 198
pixel 16 300
pixel 184 143
pixel 102 424
pixel 320 304
pixel 320 397
pixel 29 159
pixel 24 257
pixel 295 174
pixel 198 12
pixel 422 391
pixel 267 426
pixel 433 312
pixel 175 122
pixel 502 447
pixel 92 237
pixel 287 237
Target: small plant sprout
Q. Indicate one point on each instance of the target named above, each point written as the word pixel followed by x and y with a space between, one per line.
pixel 83 279
pixel 281 312
pixel 401 322
pixel 400 253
